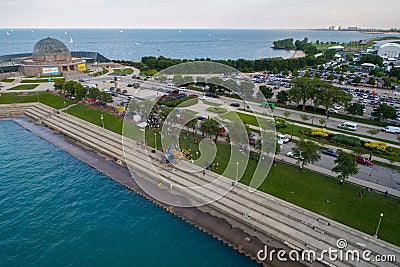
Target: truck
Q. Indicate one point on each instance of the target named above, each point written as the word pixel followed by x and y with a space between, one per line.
pixel 391 129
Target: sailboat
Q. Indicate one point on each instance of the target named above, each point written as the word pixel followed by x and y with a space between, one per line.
pixel 8 33
pixel 65 32
pixel 70 40
pixel 121 31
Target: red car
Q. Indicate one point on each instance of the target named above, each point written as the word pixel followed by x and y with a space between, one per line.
pixel 360 159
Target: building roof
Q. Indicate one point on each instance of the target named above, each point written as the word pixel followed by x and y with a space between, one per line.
pixel 336 47
pixel 386 44
pixel 50 46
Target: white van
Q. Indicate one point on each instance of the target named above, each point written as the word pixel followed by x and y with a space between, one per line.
pixel 352 126
pixel 391 129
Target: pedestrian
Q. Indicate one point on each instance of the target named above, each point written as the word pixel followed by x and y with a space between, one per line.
pixel 341 181
pixel 204 172
pixel 386 193
pixel 274 161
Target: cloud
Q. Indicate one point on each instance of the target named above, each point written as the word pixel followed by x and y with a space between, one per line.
pixel 198 14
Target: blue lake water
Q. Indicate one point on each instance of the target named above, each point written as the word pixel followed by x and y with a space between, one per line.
pixel 55 210
pixel 133 44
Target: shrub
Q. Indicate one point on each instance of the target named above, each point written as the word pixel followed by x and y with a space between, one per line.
pixel 185 102
pixel 280 123
pixel 346 140
pixel 380 146
pixel 320 133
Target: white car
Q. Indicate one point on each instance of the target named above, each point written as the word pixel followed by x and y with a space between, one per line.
pixel 282 139
pixel 291 155
pixel 337 107
pixel 332 110
pixel 203 97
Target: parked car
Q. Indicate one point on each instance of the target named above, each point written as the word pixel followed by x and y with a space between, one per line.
pixel 361 160
pixel 203 97
pixel 201 118
pixel 235 105
pixel 329 152
pixel 291 155
pixel 332 110
pixel 282 139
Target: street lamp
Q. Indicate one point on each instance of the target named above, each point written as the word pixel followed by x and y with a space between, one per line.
pixel 379 224
pixel 65 107
pixel 291 137
pixel 102 121
pixel 237 170
pixel 155 140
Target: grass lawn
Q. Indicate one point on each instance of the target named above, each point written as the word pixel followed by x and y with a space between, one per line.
pixel 24 87
pixel 211 103
pixel 85 112
pixel 7 80
pixel 126 71
pixel 43 80
pixel 51 100
pixel 217 110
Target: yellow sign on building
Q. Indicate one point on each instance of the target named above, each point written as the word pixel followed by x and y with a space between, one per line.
pixel 82 67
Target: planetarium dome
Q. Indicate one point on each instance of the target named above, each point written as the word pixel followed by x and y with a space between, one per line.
pixel 50 50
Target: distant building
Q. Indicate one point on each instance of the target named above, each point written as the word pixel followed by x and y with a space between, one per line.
pixel 386 49
pixel 336 48
pixel 49 57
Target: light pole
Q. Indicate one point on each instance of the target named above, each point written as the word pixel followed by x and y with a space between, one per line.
pixel 379 224
pixel 155 140
pixel 102 121
pixel 291 137
pixel 237 170
pixel 65 107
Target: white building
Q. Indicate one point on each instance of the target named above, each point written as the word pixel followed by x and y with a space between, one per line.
pixel 387 49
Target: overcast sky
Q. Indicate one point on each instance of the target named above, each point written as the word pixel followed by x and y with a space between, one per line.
pixel 262 14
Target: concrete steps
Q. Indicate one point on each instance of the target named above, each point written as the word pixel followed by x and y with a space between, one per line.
pixel 271 216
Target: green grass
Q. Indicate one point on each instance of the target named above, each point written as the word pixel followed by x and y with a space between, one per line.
pixel 40 80
pixel 24 87
pixel 126 71
pixel 51 100
pixel 85 112
pixel 211 103
pixel 104 71
pixel 7 80
pixel 217 110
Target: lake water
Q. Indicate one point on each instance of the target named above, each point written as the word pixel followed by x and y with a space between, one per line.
pixel 133 44
pixel 57 211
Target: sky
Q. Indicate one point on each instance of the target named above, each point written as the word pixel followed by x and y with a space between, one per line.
pixel 258 14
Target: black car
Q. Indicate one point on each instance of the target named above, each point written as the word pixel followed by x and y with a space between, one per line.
pixel 329 152
pixel 235 105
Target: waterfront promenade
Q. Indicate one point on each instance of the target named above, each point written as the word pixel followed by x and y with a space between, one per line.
pixel 266 216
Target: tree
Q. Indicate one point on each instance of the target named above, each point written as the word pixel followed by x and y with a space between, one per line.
pixel 246 89
pixel 266 91
pixel 303 90
pixel 371 81
pixel 356 80
pixel 328 95
pixel 282 96
pixel 210 127
pixel 355 109
pixel 59 84
pixel 295 73
pixel 322 122
pixel 384 112
pixel 307 152
pixel 371 58
pixel 80 91
pixel 329 54
pixel 346 165
pixel 191 124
